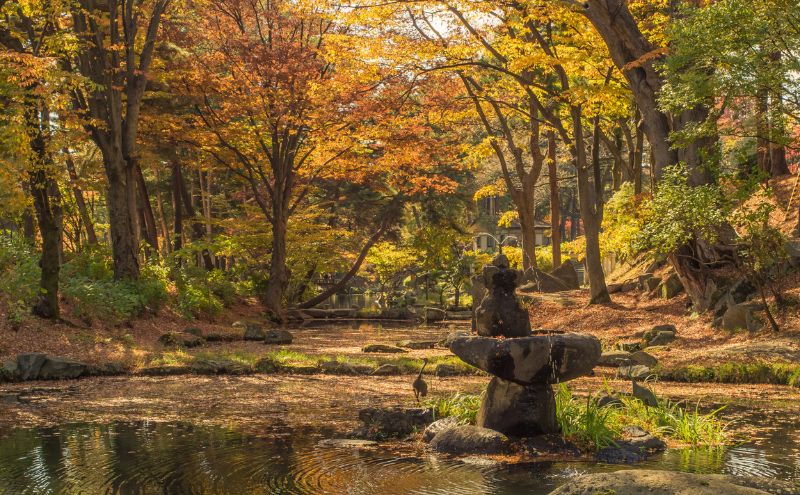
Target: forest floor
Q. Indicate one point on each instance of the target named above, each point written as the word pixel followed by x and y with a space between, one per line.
pixel 135 345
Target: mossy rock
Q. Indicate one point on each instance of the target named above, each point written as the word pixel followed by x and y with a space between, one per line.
pixel 267 365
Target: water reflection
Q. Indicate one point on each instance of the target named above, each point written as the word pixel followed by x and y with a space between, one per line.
pixel 148 458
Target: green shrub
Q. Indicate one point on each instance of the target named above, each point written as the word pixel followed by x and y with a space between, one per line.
pixel 19 276
pixel 462 406
pixel 87 281
pixel 585 422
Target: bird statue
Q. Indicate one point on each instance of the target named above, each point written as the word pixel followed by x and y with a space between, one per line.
pixel 419 385
pixel 644 394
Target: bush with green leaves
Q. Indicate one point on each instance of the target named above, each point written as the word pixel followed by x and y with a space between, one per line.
pixel 622 222
pixel 87 282
pixel 19 276
pixel 679 212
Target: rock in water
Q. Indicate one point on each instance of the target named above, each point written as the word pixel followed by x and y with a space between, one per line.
pixel 471 440
pixel 499 313
pixel 518 410
pixel 395 422
pixel 653 482
pixel 439 425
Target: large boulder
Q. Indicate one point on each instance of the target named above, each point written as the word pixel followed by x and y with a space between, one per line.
pixel 542 282
pixel 518 410
pixel 29 365
pixel 434 314
pixel 655 482
pixel 469 439
pixel 393 422
pixel 57 368
pixel 531 360
pixel 567 275
pixel 9 371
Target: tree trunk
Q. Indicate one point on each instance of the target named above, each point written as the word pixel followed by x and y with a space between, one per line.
pixel 527 229
pixel 149 230
pixel 590 203
pixel 124 246
pixel 279 273
pixel 176 206
pixel 197 227
pixel 47 203
pixel 80 202
pixel 555 205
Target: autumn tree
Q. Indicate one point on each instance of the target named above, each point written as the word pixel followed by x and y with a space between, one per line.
pixel 116 48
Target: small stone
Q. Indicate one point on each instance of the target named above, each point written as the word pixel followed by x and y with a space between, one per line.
pixel 337 368
pixel 254 331
pixel 651 284
pixel 348 443
pixel 219 367
pixel 383 348
pixel 439 425
pixel 605 400
pixel 634 372
pixel 614 359
pixel 392 422
pixel 443 370
pixel 267 365
pixel 740 317
pixel 469 439
pixel 386 369
pixel 663 338
pixel 417 344
pixel 630 346
pixel 643 358
pixel 671 287
pixel 278 337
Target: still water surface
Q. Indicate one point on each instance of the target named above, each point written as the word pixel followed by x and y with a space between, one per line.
pixel 169 458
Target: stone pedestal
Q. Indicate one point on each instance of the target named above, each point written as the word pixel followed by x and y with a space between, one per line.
pixel 518 410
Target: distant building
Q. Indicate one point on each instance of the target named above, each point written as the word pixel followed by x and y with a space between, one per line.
pixel 489 211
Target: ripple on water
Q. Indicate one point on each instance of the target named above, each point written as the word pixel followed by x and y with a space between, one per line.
pixel 149 458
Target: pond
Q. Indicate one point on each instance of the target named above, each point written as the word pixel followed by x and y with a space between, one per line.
pixel 175 458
